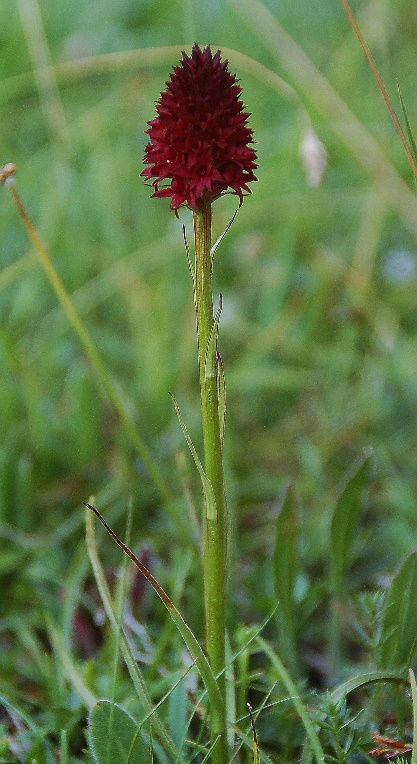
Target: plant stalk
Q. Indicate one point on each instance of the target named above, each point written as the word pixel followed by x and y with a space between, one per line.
pixel 215 528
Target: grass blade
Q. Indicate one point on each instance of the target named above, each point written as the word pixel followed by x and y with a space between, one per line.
pixel 399 618
pixel 221 392
pixel 413 147
pixel 210 355
pixel 90 348
pixel 70 670
pixel 414 697
pixel 186 633
pixel 345 520
pixel 381 86
pixel 135 674
pixel 208 492
pixel 221 237
pixel 343 532
pixel 318 91
pixel 295 697
pixel 285 569
pixel 363 680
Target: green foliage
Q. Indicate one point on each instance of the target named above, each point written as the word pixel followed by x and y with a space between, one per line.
pixel 177 713
pixel 345 521
pixel 341 739
pixel 414 699
pixel 286 566
pixel 399 620
pixel 317 337
pixel 116 736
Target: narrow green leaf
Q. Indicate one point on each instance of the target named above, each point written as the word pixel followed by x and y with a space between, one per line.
pixel 399 618
pixel 156 746
pixel 75 575
pixel 63 746
pixel 20 713
pixel 413 147
pixel 113 736
pixel 345 519
pixel 414 697
pixel 69 668
pixel 285 559
pixel 209 752
pixel 221 237
pixel 193 646
pixel 210 358
pixel 131 664
pixel 363 680
pixel 209 498
pixel 120 604
pixel 40 753
pixel 289 685
pixel 177 713
pixel 187 252
pixel 221 392
pixel 230 694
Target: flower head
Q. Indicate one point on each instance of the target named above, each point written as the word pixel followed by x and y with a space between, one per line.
pixel 199 143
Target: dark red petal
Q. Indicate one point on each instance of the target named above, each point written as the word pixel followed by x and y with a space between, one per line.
pixel 199 140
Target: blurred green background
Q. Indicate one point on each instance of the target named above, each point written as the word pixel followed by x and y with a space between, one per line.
pixel 318 333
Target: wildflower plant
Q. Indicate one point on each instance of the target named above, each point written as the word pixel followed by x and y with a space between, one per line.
pixel 200 148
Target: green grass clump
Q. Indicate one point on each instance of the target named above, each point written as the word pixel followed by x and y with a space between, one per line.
pixel 318 336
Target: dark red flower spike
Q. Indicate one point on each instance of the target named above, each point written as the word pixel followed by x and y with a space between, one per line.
pixel 199 143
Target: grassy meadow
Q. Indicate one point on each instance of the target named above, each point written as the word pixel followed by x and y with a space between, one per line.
pixel 318 338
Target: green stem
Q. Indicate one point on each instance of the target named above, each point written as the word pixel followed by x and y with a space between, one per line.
pixel 215 573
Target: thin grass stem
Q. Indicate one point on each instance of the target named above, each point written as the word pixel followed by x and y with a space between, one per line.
pixel 378 79
pixel 131 664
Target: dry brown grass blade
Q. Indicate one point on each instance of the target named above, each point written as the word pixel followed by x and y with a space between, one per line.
pixel 378 80
pixel 315 89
